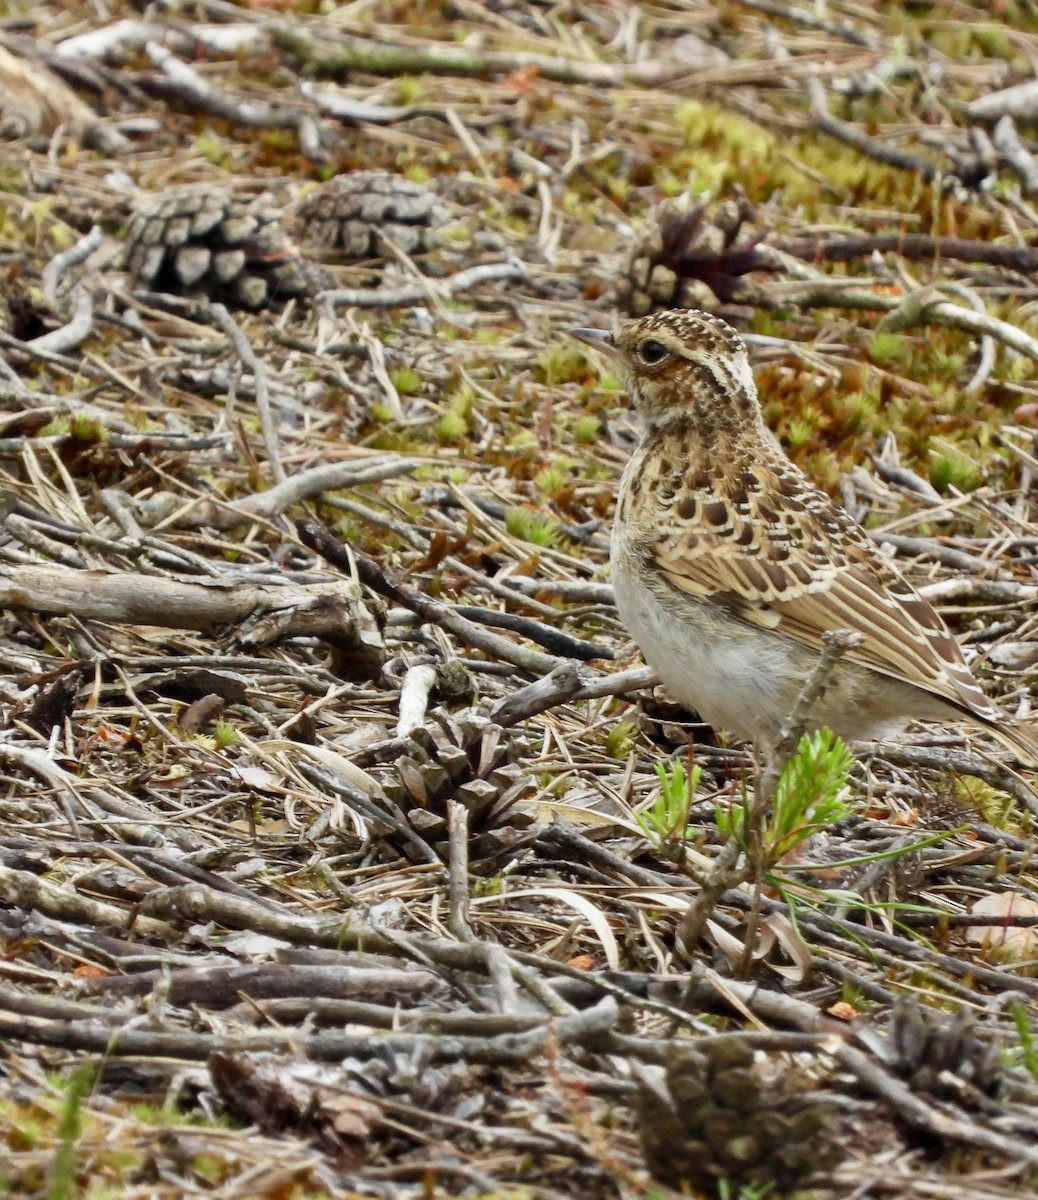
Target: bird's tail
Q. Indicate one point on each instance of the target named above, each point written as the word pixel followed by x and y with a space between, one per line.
pixel 1022 740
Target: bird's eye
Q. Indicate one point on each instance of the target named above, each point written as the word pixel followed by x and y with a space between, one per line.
pixel 652 351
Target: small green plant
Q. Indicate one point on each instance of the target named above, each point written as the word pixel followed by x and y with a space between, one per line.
pixel 63 1168
pixel 954 470
pixel 555 478
pixel 1025 1034
pixel 410 90
pixel 585 430
pixel 214 150
pixel 416 172
pixel 620 739
pixel 57 427
pixel 946 363
pixel 406 380
pixel 800 432
pixel 809 796
pixel 450 427
pixel 87 429
pixel 381 412
pixel 453 424
pixel 562 362
pixel 437 473
pixel 887 349
pixel 492 886
pixel 665 821
pixel 529 526
pixel 522 439
pixel 225 735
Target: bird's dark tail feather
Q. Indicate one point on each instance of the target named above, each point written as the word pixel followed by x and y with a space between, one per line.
pixel 1021 739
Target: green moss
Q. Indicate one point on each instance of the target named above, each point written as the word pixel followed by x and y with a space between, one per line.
pixel 431 473
pixel 621 738
pixel 225 735
pixel 585 430
pixel 529 526
pixel 406 380
pixel 381 412
pixel 562 362
pixel 56 427
pixel 450 428
pixel 214 150
pixel 705 125
pixel 856 413
pixel 410 90
pixel 452 425
pixel 951 470
pixel 555 478
pixel 799 432
pixel 946 363
pixel 887 349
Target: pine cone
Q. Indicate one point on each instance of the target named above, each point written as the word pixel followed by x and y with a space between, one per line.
pixel 197 242
pixel 469 759
pixel 925 1045
pixel 352 217
pixel 718 1119
pixel 691 255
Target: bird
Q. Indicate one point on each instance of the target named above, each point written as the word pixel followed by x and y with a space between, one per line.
pixel 730 567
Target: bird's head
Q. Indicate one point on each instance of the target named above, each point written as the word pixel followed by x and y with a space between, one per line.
pixel 682 365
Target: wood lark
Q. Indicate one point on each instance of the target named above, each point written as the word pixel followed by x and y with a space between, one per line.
pixel 729 565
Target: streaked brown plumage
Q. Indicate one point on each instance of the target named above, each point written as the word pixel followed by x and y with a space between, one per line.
pixel 729 565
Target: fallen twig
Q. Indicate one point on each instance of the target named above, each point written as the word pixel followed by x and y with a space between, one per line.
pixel 422 293
pixel 77 253
pixel 248 357
pixel 371 574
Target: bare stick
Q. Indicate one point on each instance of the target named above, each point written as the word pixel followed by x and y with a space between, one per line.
pixel 556 687
pixel 458 870
pixel 183 85
pixel 347 54
pixel 420 293
pixel 815 290
pixel 1018 157
pixel 249 359
pixel 54 271
pixel 328 609
pixel 852 135
pixel 77 329
pixel 318 538
pixel 22 889
pixel 414 698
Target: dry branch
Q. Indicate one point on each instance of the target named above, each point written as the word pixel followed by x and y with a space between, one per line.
pixel 331 610
pixel 338 56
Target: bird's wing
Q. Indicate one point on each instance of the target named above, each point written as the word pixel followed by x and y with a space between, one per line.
pixel 776 550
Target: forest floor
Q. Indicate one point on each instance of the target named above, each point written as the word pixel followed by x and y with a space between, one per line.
pixel 347 846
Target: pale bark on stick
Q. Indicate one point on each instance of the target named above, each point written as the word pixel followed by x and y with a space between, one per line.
pixel 328 609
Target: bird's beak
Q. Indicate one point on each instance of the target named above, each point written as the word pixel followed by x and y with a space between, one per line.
pixel 600 339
